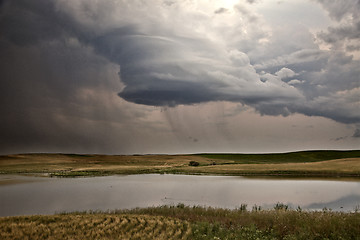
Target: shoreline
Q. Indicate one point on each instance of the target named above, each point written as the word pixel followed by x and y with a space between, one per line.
pixel 270 175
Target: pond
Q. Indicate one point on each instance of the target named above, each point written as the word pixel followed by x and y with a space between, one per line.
pixel 27 195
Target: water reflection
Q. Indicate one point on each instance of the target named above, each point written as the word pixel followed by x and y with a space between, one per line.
pixel 347 202
pixel 35 195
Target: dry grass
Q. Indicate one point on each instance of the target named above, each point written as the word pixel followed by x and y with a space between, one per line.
pixel 181 222
pixel 339 166
pixel 214 223
pixel 93 226
pixel 92 165
pixel 62 163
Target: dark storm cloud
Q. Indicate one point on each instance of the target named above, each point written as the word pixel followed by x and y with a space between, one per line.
pixel 28 23
pixel 46 77
pixel 54 55
pixel 168 93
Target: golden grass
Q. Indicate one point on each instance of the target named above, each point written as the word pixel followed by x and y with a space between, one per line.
pixel 93 226
pixel 181 222
pixel 37 163
pixel 347 165
pixel 70 165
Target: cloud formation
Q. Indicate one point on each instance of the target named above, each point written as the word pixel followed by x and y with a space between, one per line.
pixel 58 55
pixel 346 33
pixel 187 55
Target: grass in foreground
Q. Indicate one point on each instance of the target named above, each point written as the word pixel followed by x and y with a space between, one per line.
pixel 181 222
pixel 93 226
pixel 307 163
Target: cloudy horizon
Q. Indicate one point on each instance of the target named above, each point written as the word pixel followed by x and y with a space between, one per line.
pixel 167 76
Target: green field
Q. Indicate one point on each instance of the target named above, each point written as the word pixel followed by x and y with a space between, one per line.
pixel 291 157
pixel 302 164
pixel 182 222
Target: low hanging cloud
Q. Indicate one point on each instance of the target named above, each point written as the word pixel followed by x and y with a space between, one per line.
pixel 181 53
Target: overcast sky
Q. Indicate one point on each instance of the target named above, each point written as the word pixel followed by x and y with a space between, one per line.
pixel 179 76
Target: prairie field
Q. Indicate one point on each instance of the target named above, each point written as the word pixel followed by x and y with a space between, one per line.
pixel 307 164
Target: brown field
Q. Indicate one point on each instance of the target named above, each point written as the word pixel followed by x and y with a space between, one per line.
pixel 182 222
pixel 93 165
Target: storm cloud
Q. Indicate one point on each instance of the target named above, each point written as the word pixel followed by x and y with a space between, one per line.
pixel 58 56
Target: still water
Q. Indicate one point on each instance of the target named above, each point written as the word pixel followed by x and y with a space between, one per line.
pixel 24 195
